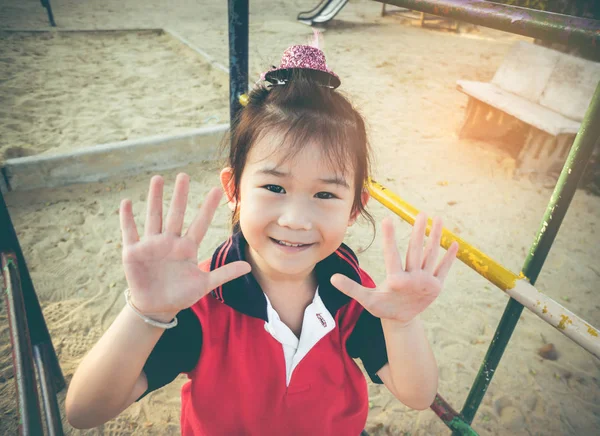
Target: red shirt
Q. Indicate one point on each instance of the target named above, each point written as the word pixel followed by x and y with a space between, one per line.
pixel 237 369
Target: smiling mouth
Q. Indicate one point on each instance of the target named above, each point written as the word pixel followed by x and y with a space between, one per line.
pixel 289 244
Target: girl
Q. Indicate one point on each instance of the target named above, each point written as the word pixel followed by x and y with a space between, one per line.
pixel 268 328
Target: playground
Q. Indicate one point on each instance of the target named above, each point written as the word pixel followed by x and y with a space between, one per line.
pixel 402 78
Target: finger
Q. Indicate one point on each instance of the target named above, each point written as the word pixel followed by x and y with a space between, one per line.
pixel 352 289
pixel 227 273
pixel 203 218
pixel 154 207
pixel 391 254
pixel 129 231
pixel 433 245
pixel 444 267
pixel 415 245
pixel 176 213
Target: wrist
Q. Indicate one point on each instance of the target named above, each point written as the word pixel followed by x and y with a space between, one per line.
pixel 164 320
pixel 164 317
pixel 398 324
pixel 141 320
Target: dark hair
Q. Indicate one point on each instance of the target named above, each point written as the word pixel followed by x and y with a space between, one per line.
pixel 303 112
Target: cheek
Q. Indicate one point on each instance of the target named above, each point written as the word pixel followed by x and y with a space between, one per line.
pixel 256 206
pixel 334 219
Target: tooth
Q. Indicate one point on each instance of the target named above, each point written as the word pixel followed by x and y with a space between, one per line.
pixel 287 244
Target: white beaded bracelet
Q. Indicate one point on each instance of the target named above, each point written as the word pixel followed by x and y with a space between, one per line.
pixel 152 322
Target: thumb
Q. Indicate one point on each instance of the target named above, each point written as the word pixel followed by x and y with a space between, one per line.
pixel 226 273
pixel 351 288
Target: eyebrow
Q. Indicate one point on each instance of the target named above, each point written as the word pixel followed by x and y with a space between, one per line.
pixel 335 180
pixel 272 172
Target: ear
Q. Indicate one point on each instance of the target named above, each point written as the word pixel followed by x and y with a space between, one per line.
pixel 364 199
pixel 227 184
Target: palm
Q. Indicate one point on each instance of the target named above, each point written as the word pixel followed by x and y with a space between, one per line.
pixel 161 269
pixel 418 292
pixel 163 263
pixel 408 291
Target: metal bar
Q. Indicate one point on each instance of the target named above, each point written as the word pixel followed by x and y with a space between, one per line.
pixel 49 401
pixel 451 417
pixel 238 13
pixel 38 330
pixel 573 170
pixel 471 256
pixel 587 137
pixel 564 29
pixel 506 326
pixel 572 326
pixel 30 420
pixel 46 4
pixel 517 287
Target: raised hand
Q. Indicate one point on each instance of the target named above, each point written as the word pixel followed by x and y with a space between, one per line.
pixel 407 291
pixel 162 268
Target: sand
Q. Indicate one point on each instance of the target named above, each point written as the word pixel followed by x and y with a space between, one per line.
pixel 402 79
pixel 63 91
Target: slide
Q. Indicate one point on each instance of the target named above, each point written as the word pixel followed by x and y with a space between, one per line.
pixel 322 13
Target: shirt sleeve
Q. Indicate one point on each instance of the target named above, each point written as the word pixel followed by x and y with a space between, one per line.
pixel 177 351
pixel 367 343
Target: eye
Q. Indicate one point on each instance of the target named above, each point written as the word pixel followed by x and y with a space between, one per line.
pixel 275 188
pixel 325 195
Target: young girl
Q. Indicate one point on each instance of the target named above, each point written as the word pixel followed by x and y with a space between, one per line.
pixel 268 328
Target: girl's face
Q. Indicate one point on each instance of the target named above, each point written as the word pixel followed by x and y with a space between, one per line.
pixel 295 212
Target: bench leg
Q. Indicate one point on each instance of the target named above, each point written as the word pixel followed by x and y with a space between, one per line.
pixel 528 160
pixel 563 146
pixel 543 153
pixel 485 122
pixel 472 116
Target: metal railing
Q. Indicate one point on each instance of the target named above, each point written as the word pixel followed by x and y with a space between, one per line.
pixel 32 347
pixel 563 29
pixel 26 356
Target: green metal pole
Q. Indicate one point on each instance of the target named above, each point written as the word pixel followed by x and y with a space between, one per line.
pixel 451 418
pixel 587 137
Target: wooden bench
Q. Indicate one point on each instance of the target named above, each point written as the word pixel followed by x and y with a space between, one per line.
pixel 539 96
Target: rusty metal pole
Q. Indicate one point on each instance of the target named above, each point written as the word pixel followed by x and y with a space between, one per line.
pixel 564 29
pixel 30 420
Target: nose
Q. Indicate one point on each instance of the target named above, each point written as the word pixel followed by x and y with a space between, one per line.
pixel 295 216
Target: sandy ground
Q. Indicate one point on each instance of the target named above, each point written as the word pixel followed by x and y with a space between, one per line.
pixel 67 90
pixel 403 80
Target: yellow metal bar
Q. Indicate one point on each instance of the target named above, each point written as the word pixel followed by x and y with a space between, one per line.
pixel 471 256
pixel 517 287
